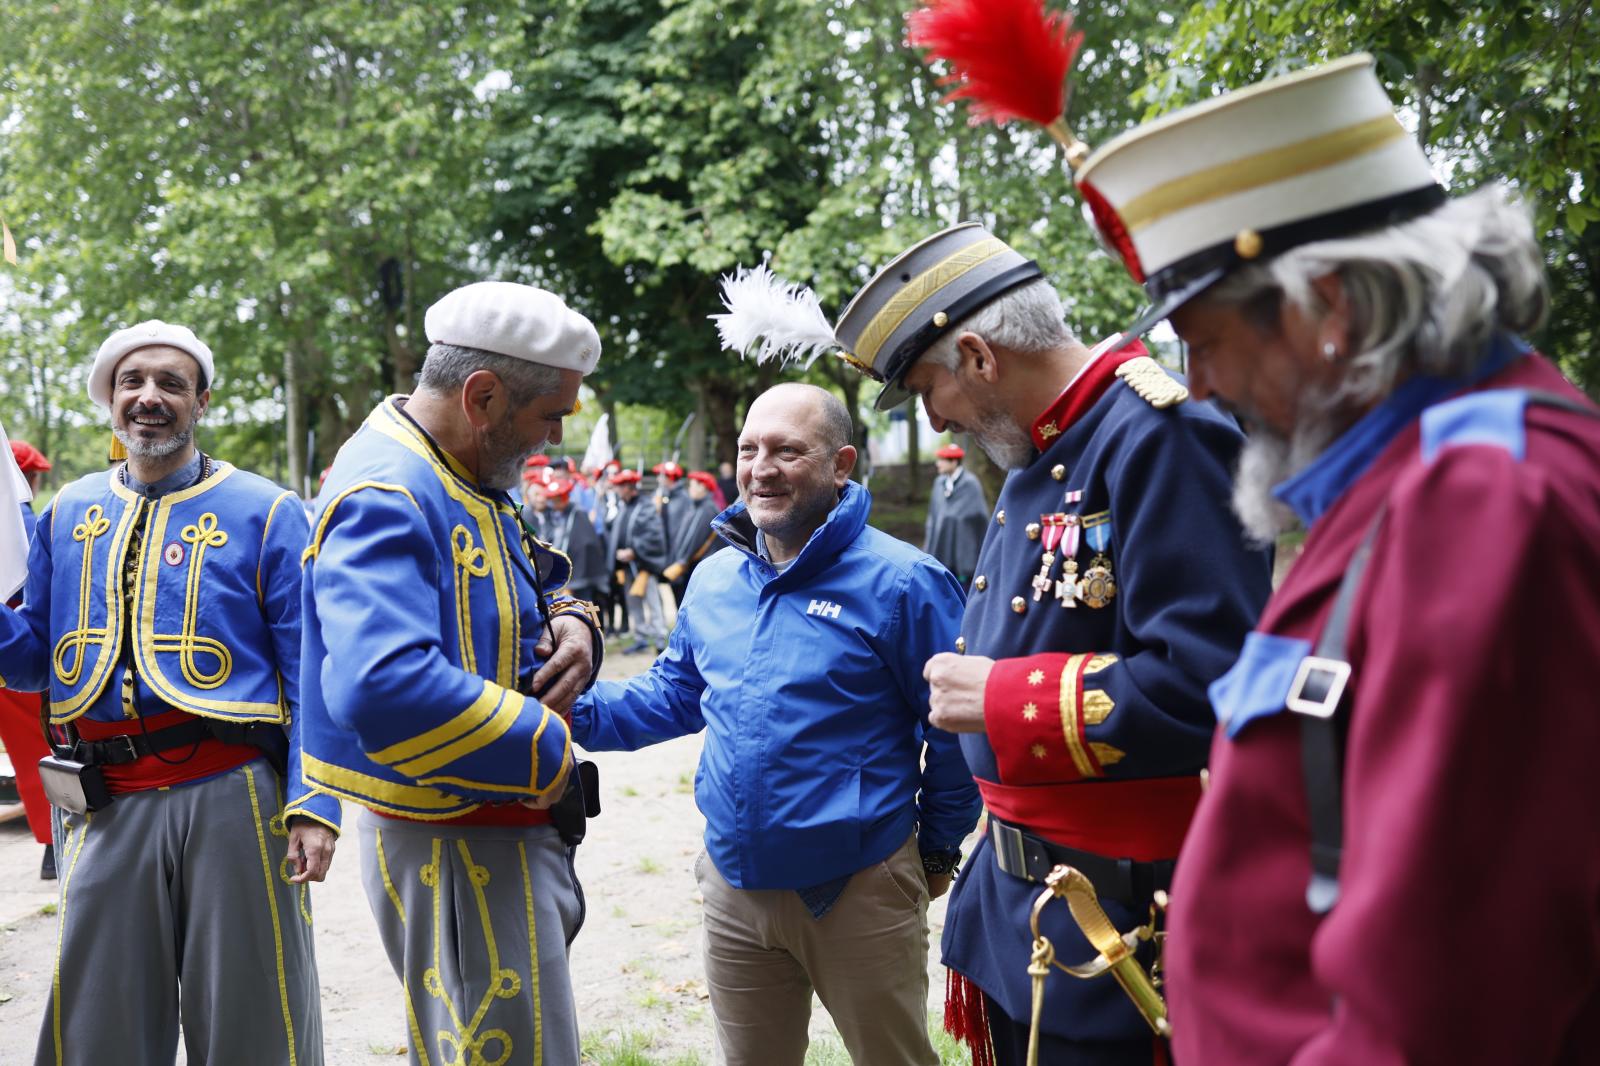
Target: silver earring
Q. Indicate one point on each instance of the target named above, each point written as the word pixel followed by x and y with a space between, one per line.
pixel 1329 351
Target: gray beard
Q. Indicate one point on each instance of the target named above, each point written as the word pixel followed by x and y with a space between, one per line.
pixel 141 449
pixel 1007 446
pixel 1268 459
pixel 500 464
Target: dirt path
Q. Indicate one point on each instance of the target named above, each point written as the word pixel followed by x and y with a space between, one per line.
pixel 636 964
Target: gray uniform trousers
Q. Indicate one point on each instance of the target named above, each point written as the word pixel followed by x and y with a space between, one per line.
pixel 477 921
pixel 182 888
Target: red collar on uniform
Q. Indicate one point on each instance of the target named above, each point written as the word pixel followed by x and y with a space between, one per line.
pixel 1082 393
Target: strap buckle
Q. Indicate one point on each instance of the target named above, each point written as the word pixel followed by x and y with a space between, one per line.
pixel 1318 686
pixel 1010 852
pixel 112 751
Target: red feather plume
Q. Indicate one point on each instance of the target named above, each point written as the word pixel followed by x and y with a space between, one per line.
pixel 1010 58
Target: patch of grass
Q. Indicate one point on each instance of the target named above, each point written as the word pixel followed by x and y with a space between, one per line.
pixel 951 1051
pixel 829 1050
pixel 617 1049
pixel 47 910
pixel 649 1000
pixel 685 784
pixel 629 791
pixel 647 865
pixel 386 1050
pixel 618 911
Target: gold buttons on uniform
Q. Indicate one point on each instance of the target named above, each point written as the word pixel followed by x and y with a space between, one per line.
pixel 1247 244
pixel 940 319
pixel 980 582
pixel 1058 472
pixel 1032 530
pixel 1019 604
pixel 961 645
pixel 1000 516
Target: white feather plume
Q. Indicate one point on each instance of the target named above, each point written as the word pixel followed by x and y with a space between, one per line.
pixel 785 319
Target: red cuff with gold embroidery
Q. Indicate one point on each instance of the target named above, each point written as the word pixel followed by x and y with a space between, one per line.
pixel 1036 712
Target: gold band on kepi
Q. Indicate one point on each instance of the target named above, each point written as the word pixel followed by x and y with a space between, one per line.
pixel 1240 178
pixel 920 295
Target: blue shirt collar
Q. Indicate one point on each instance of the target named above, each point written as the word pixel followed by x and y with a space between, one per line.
pixel 1314 489
pixel 181 478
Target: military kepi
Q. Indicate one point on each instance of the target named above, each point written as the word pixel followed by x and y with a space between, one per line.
pixel 920 294
pixel 1310 156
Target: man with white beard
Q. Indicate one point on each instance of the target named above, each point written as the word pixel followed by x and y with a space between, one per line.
pixel 1403 781
pixel 1112 587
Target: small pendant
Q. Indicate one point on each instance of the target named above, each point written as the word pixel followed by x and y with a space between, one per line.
pixel 1067 587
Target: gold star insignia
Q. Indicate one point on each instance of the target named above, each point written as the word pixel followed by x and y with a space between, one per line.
pixel 1030 711
pixel 1048 430
pixel 1036 678
pixel 1038 751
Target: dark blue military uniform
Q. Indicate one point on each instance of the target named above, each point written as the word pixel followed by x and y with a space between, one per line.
pixel 1096 712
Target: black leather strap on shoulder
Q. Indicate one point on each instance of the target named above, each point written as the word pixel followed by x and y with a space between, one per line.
pixel 1320 693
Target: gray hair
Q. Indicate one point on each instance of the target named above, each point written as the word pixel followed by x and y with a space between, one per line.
pixel 1027 319
pixel 1425 295
pixel 447 366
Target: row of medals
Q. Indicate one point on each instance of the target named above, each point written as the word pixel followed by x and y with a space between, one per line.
pixel 1095 587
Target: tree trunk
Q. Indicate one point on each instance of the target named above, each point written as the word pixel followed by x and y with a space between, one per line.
pixel 694 447
pixel 990 476
pixel 722 418
pixel 294 423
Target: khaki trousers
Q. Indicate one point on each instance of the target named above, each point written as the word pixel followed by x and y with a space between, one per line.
pixel 867 959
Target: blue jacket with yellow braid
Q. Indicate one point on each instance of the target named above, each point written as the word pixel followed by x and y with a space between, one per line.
pixel 215 611
pixel 423 600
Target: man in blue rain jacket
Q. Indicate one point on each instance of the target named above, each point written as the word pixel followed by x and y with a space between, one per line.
pixel 833 811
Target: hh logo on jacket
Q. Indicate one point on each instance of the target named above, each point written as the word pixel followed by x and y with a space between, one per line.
pixel 823 608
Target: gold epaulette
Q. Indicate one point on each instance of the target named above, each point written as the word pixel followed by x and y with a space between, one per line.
pixel 1154 385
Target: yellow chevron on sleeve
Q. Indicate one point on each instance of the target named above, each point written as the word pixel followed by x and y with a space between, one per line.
pixel 506 711
pixel 533 783
pixel 475 715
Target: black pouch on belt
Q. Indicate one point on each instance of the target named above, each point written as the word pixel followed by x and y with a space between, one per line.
pixel 74 786
pixel 581 801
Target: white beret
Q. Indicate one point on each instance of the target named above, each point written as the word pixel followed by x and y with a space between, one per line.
pixel 145 335
pixel 515 320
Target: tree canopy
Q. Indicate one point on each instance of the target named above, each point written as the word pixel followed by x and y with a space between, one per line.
pixel 297 181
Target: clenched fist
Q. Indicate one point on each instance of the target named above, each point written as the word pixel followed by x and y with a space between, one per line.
pixel 955 691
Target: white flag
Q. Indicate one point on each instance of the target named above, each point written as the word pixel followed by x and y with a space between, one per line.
pixel 14 496
pixel 598 453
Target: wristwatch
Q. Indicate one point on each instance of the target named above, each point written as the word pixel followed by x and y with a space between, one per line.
pixel 940 862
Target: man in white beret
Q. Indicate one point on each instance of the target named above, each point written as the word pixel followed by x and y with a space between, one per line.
pixel 162 612
pixel 442 653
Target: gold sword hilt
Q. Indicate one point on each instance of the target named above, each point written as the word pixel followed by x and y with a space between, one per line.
pixel 1115 951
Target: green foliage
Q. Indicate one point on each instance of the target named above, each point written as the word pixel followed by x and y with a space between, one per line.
pixel 248 170
pixel 651 146
pixel 298 181
pixel 1498 91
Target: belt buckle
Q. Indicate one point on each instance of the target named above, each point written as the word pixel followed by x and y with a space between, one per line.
pixel 1009 849
pixel 1318 686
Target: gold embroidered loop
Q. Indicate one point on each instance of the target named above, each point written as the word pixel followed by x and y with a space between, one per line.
pixel 470 562
pixel 82 636
pixel 94 524
pixel 203 534
pixel 510 984
pixel 469 558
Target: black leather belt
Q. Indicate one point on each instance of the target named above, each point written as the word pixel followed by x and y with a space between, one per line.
pixel 1021 854
pixel 115 751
